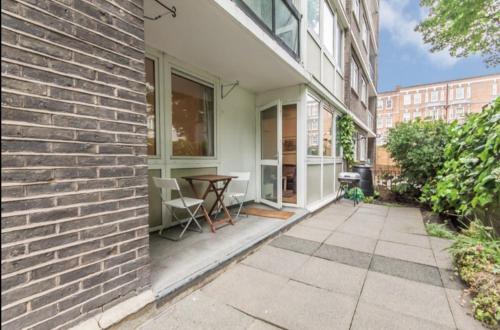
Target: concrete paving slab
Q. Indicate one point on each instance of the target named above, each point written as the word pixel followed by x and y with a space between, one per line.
pixel 361 228
pixel 408 270
pixel 406 212
pixel 332 276
pixel 407 297
pixel 372 317
pixel 405 252
pixel 344 256
pixel 451 280
pixel 408 226
pixel 300 306
pixel 380 211
pixel 324 222
pixel 245 288
pixel 305 232
pixel 260 325
pixel 277 261
pixel 405 238
pixel 198 311
pixel 443 257
pixel 353 242
pixel 299 245
pixel 462 311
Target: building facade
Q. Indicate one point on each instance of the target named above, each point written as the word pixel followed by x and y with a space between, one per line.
pixel 100 96
pixel 448 100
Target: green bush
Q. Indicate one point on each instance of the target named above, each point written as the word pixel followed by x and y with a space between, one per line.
pixel 417 148
pixel 468 183
pixel 345 136
pixel 439 230
pixel 355 194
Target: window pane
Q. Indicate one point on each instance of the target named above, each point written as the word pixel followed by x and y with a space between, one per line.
pixel 151 105
pixel 269 133
pixel 328 28
pixel 338 148
pixel 327 132
pixel 339 45
pixel 312 127
pixel 192 118
pixel 287 26
pixel 263 9
pixel 313 15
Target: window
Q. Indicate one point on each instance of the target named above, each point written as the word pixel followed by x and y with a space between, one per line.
pixel 434 96
pixel 407 99
pixel 313 15
pixel 278 17
pixel 312 127
pixel 327 132
pixel 338 147
pixel 340 46
pixel 380 104
pixel 364 91
pixel 468 91
pixel 364 33
pixel 494 89
pixel 389 103
pixel 380 122
pixel 416 98
pixel 442 95
pixel 356 9
pixel 328 28
pixel 459 112
pixel 459 93
pixel 354 75
pixel 416 114
pixel 362 148
pixel 389 121
pixel 151 105
pixel 406 116
pixel 192 118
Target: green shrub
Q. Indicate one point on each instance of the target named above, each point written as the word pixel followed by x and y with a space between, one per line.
pixel 355 194
pixel 345 136
pixel 368 200
pixel 439 230
pixel 468 184
pixel 417 148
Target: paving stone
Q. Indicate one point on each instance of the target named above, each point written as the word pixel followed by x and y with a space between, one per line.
pixel 405 269
pixel 325 222
pixel 462 310
pixel 407 297
pixel 451 280
pixel 405 225
pixel 344 256
pixel 372 317
pixel 361 228
pixel 246 289
pixel 300 306
pixel 296 244
pixel 353 242
pixel 405 238
pixel 405 252
pixel 198 311
pixel 260 325
pixel 443 257
pixel 382 211
pixel 276 260
pixel 332 276
pixel 305 232
pixel 404 212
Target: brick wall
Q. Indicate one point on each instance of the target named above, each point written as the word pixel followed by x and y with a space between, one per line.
pixel 74 188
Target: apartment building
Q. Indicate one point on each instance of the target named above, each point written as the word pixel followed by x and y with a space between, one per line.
pixel 101 96
pixel 447 100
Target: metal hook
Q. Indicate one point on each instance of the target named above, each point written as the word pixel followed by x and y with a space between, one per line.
pixel 172 10
pixel 233 85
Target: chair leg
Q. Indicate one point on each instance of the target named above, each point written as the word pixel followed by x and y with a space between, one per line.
pixel 240 207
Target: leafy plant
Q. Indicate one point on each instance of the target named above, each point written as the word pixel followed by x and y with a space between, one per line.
pixel 368 200
pixel 355 194
pixel 468 184
pixel 463 27
pixel 417 148
pixel 345 136
pixel 438 230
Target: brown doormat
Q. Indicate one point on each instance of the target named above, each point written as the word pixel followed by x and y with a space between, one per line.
pixel 283 215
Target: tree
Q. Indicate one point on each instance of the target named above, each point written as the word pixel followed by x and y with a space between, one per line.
pixel 463 27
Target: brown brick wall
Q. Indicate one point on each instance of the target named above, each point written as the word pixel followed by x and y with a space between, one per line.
pixel 74 186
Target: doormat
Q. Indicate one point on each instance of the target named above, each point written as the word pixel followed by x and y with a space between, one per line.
pixel 283 215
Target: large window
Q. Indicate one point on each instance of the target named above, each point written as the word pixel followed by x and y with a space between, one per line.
pixel 388 104
pixel 407 99
pixel 279 17
pixel 416 98
pixel 356 9
pixel 192 118
pixel 151 105
pixel 338 146
pixel 434 96
pixel 313 15
pixel 459 93
pixel 354 75
pixel 328 28
pixel 327 132
pixel 312 127
pixel 340 45
pixel 364 33
pixel 364 91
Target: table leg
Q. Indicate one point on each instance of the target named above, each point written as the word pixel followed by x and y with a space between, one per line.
pixel 203 209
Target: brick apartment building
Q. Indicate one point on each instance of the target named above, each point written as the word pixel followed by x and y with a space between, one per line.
pixel 447 100
pixel 100 96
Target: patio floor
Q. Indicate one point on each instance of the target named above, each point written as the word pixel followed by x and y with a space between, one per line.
pixel 369 267
pixel 175 263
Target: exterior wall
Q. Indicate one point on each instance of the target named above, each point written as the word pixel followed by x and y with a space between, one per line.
pixel 477 92
pixel 74 189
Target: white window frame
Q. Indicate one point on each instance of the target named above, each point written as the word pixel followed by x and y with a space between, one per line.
pixel 380 103
pixel 417 99
pixel 388 103
pixel 356 9
pixel 407 99
pixel 459 93
pixel 434 96
pixel 364 33
pixel 364 91
pixel 494 89
pixel 354 75
pixel 389 121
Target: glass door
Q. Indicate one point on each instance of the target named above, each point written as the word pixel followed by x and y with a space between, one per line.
pixel 269 156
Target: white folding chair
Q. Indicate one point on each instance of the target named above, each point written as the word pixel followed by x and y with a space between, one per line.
pixel 185 203
pixel 238 188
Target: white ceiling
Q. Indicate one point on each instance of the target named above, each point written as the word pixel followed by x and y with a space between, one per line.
pixel 207 37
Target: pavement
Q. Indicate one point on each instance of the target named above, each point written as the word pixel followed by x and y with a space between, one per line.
pixel 345 267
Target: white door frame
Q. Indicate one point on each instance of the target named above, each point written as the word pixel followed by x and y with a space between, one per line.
pixel 259 162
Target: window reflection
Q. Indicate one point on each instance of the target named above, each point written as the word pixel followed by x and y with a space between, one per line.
pixel 312 127
pixel 151 106
pixel 327 132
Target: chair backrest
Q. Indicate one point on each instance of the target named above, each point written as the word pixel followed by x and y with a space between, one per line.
pixel 241 176
pixel 239 184
pixel 166 183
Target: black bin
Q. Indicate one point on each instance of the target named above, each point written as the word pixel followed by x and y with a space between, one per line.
pixel 366 181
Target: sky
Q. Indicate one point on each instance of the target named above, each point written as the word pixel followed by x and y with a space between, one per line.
pixel 405 60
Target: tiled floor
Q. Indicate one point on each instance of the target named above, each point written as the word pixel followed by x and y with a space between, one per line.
pixel 370 267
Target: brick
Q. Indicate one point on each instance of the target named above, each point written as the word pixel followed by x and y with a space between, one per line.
pixel 96 184
pixel 116 149
pixel 46 76
pixel 26 175
pixel 96 160
pixel 11 69
pixel 118 238
pixel 125 247
pixel 49 105
pixel 79 273
pixel 116 172
pixel 100 278
pixel 80 223
pixel 120 259
pixel 54 296
pixel 13 191
pixel 45 19
pixel 96 112
pixel 98 255
pixel 46 48
pixel 26 116
pixel 116 194
pixel 31 318
pixel 60 319
pixel 52 242
pixel 13 251
pixel 9 37
pixel 135 223
pixel 48 133
pixel 98 232
pixel 24 234
pixel 24 145
pixel 14 311
pixel 26 291
pixel 95 137
pixel 78 199
pixel 14 221
pixel 22 56
pixel 113 284
pixel 78 298
pixel 53 215
pixel 78 249
pixel 76 173
pixel 12 100
pixel 50 188
pixel 13 281
pixel 54 268
pixel 24 86
pixel 98 208
pixel 76 122
pixel 13 161
pixel 71 95
pixel 93 87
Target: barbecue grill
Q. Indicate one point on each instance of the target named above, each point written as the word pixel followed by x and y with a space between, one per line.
pixel 347 181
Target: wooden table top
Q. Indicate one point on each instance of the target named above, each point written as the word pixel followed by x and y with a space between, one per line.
pixel 209 177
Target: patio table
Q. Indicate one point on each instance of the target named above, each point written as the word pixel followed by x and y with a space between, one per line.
pixel 212 181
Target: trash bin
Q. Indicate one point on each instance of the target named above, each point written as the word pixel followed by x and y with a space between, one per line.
pixel 366 180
